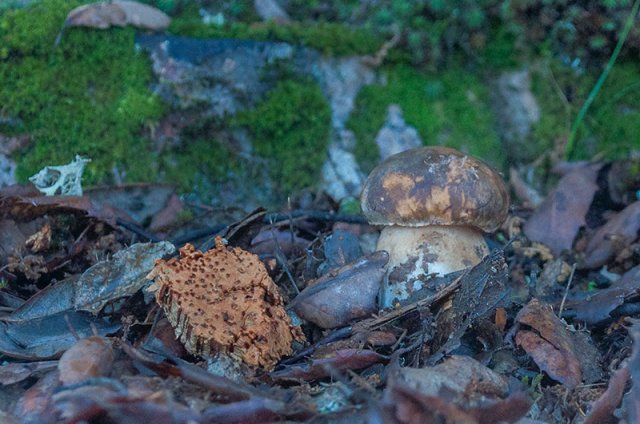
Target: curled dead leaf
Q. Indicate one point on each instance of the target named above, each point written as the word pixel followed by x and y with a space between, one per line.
pixel 557 220
pixel 88 358
pixel 616 234
pixel 550 345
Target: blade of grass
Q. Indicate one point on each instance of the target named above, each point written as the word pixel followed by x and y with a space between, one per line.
pixel 571 141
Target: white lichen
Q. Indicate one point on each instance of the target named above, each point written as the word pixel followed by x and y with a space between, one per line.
pixel 65 180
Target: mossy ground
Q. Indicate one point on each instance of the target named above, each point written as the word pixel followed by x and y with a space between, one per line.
pixel 446 108
pixel 291 129
pixel 612 125
pixel 329 38
pixel 89 95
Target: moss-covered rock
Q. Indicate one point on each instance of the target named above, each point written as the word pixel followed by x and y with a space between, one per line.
pixel 89 95
pixel 332 39
pixel 447 108
pixel 291 129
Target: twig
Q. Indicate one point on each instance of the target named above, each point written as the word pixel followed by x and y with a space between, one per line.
pixel 136 229
pixel 566 291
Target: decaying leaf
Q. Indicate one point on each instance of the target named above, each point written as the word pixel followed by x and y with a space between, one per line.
pixel 603 409
pixel 142 202
pixel 46 338
pixel 557 221
pixel 550 345
pixel 621 230
pixel 40 240
pixel 483 288
pixel 223 300
pixel 106 281
pixel 121 13
pixel 344 359
pixel 402 405
pixel 343 294
pixel 14 372
pixel 598 306
pixel 632 398
pixel 463 379
pixel 88 358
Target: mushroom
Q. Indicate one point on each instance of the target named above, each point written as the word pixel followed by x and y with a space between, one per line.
pixel 434 203
pixel 223 302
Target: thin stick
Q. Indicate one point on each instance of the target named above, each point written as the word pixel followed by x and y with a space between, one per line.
pixel 566 291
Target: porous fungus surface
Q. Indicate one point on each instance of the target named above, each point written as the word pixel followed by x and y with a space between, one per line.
pixel 223 300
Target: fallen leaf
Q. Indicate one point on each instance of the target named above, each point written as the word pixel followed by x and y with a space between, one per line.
pixel 632 398
pixel 463 379
pixel 36 405
pixel 557 220
pixel 106 14
pixel 340 248
pixel 483 288
pixel 620 231
pixel 602 411
pixel 550 345
pixel 623 181
pixel 345 359
pixel 88 358
pixel 46 338
pixel 401 405
pixel 140 201
pixel 343 294
pixel 14 372
pixel 598 306
pixel 121 276
pixel 39 241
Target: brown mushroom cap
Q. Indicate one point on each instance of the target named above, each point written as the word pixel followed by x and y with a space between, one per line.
pixel 435 186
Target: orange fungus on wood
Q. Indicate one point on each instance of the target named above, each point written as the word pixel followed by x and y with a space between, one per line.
pixel 223 300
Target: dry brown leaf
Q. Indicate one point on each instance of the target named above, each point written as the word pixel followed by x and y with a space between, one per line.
pixel 632 398
pixel 106 14
pixel 557 221
pixel 617 233
pixel 550 345
pixel 88 358
pixel 603 408
pixel 40 240
pixel 598 306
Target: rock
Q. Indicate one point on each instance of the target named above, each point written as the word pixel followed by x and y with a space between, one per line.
pixel 341 174
pixel 341 79
pixel 396 136
pixel 227 75
pixel 7 171
pixel 270 10
pixel 516 110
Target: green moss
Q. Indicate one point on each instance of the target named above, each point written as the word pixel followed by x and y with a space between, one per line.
pixel 291 129
pixel 330 38
pixel 612 125
pixel 446 108
pixel 87 96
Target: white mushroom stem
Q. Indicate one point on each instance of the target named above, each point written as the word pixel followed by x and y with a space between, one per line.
pixel 432 249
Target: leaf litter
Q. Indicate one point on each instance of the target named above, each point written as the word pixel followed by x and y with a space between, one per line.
pixel 522 334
